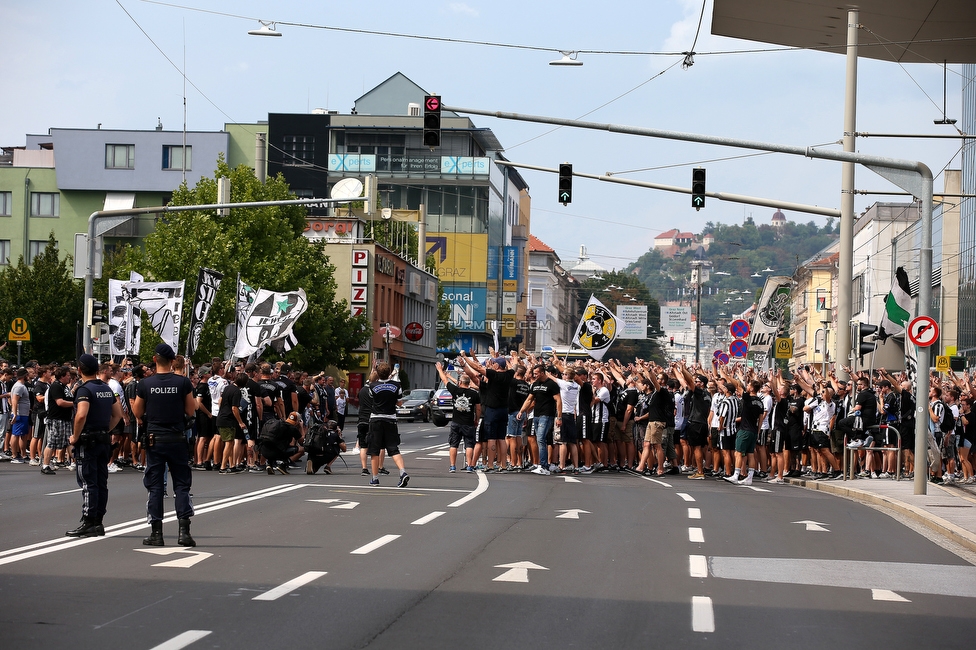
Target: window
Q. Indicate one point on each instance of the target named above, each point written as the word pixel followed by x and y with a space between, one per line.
pixel 5 203
pixel 4 252
pixel 36 247
pixel 120 156
pixel 45 204
pixel 537 296
pixel 299 150
pixel 173 157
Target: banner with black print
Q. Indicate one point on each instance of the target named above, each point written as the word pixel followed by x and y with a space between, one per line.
pixel 208 281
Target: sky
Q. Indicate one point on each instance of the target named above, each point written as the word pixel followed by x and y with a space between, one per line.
pixel 80 64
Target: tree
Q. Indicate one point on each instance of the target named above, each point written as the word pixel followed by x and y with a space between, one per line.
pixel 266 247
pixel 51 301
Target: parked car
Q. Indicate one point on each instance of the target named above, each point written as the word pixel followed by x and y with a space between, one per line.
pixel 416 404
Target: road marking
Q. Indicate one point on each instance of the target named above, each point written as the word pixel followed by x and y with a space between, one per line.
pixel 182 640
pixel 702 616
pixel 290 586
pixel 654 480
pixel 367 489
pixel 813 525
pixel 343 505
pixel 444 453
pixel 517 571
pixel 54 494
pixel 426 519
pixel 696 535
pixel 888 595
pixel 694 513
pixel 698 566
pixel 900 577
pixel 59 544
pixel 685 497
pixel 478 491
pixel 570 479
pixel 757 489
pixel 433 435
pixel 571 514
pixel 194 557
pixel 375 544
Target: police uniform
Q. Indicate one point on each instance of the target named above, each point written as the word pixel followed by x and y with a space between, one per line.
pixel 164 396
pixel 92 453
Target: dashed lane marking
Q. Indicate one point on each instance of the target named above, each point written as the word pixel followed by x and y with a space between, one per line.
pixel 698 566
pixel 375 544
pixel 685 496
pixel 695 535
pixel 702 615
pixel 427 518
pixel 182 640
pixel 290 586
pixel 694 513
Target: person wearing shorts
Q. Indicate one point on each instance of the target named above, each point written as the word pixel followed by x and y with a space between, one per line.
pixel 20 407
pixel 466 413
pixel 383 433
pixel 750 417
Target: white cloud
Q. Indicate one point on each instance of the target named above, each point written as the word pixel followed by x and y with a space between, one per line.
pixel 461 8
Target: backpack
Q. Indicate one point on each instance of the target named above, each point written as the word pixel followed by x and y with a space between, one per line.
pixel 321 440
pixel 273 431
pixel 948 419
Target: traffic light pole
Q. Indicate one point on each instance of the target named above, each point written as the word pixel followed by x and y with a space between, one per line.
pixel 910 175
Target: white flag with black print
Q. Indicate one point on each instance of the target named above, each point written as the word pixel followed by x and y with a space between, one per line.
pixel 596 330
pixel 271 317
pixel 163 304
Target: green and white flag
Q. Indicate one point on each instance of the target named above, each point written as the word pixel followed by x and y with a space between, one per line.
pixel 898 305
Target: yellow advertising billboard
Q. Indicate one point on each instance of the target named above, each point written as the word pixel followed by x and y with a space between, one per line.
pixel 460 257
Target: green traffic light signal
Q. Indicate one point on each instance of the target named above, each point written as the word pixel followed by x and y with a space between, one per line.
pixel 565 183
pixel 698 188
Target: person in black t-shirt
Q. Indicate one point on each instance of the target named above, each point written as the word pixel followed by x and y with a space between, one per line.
pixel 545 401
pixel 205 418
pixel 162 402
pixel 97 411
pixel 383 433
pixel 467 412
pixel 230 422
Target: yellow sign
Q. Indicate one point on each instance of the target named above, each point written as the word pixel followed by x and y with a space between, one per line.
pixel 942 364
pixel 19 331
pixel 784 348
pixel 950 350
pixel 510 285
pixel 460 257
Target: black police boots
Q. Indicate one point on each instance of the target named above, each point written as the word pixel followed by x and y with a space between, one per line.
pixel 88 528
pixel 156 536
pixel 184 539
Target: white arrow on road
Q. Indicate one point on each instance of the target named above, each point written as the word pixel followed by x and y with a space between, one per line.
pixel 194 557
pixel 517 571
pixel 813 525
pixel 343 505
pixel 570 479
pixel 571 514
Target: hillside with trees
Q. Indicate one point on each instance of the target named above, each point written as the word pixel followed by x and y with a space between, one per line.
pixel 741 257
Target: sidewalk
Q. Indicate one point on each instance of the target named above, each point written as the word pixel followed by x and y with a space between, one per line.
pixel 947 510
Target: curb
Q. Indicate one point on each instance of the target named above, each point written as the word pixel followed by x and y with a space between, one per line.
pixel 945 528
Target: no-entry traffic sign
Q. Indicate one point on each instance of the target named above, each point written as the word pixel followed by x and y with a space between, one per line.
pixel 923 331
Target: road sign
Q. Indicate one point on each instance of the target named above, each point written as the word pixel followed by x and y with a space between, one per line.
pixel 784 348
pixel 723 359
pixel 739 329
pixel 716 354
pixel 923 331
pixel 19 330
pixel 738 349
pixel 942 364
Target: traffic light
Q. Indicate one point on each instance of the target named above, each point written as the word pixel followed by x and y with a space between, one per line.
pixel 432 121
pixel 698 188
pixel 672 341
pixel 860 332
pixel 95 316
pixel 566 183
pixel 369 194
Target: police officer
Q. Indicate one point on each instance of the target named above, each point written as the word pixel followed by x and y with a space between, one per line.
pixel 161 403
pixel 97 411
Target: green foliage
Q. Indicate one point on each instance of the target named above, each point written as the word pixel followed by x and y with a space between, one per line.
pixel 625 349
pixel 48 297
pixel 739 250
pixel 266 246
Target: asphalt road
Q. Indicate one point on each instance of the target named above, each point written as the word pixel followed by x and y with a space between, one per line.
pixel 473 560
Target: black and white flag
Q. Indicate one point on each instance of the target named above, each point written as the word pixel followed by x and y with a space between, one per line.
pixel 208 281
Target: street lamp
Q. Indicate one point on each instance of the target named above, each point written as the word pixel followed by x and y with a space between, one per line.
pixel 268 28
